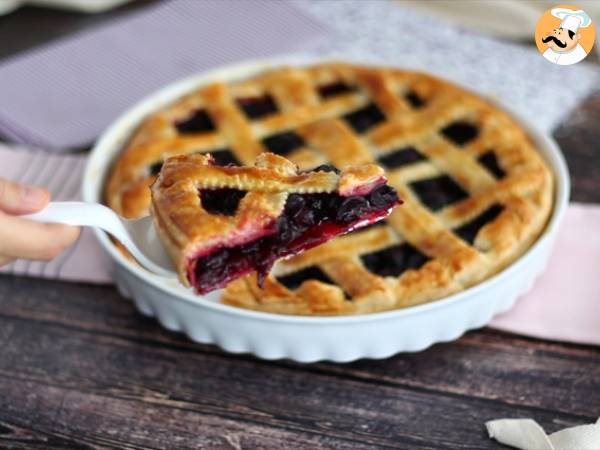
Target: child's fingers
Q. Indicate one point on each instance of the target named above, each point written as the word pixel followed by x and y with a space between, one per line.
pixel 18 199
pixel 20 238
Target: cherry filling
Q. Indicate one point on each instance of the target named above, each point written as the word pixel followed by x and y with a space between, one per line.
pixel 307 221
pixel 221 201
pixel 490 161
pixel 256 107
pixel 414 99
pixel 461 132
pixel 401 157
pixel 334 89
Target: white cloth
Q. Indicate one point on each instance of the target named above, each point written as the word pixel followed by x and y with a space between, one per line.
pixel 385 32
pixel 566 58
pixel 571 23
pixel 514 19
pixel 571 19
pixel 526 434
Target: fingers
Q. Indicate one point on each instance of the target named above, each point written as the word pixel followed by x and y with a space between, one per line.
pixel 20 238
pixel 4 260
pixel 19 199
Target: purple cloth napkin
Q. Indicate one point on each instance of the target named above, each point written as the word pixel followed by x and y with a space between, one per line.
pixel 63 95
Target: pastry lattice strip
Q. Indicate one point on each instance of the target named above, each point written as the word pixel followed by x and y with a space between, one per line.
pixel 449 259
pixel 427 134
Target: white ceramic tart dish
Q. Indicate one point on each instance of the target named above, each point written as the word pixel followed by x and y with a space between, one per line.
pixel 378 334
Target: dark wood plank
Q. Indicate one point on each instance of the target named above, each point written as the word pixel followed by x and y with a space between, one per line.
pixel 579 137
pixel 30 26
pixel 487 365
pixel 500 367
pixel 17 437
pixel 87 420
pixel 104 348
pixel 108 390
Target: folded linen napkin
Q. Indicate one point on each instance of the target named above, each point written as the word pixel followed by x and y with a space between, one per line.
pixel 526 434
pixel 562 306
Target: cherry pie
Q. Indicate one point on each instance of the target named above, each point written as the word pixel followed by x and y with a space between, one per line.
pixel 219 223
pixel 477 193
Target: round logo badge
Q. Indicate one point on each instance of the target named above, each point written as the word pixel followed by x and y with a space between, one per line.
pixel 565 34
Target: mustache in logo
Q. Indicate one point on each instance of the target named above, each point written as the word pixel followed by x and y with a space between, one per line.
pixel 556 41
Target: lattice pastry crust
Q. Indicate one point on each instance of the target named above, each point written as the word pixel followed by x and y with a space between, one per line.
pixel 477 193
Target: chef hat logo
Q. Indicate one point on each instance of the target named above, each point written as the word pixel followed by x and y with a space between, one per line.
pixel 565 34
pixel 571 20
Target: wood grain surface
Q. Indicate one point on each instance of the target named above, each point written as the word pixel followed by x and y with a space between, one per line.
pixel 80 368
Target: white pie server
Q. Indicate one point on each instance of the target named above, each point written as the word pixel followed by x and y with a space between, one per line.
pixel 138 236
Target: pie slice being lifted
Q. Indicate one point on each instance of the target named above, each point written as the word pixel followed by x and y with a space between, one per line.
pixel 221 222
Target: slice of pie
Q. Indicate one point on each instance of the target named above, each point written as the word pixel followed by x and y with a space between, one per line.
pixel 221 222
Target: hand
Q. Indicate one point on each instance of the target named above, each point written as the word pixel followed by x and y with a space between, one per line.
pixel 20 238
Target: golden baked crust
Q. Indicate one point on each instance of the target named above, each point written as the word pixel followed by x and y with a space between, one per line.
pixel 431 136
pixel 188 230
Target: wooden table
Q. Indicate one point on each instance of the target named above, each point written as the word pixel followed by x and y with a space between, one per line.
pixel 80 368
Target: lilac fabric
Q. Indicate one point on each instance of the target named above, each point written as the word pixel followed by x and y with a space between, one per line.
pixel 64 94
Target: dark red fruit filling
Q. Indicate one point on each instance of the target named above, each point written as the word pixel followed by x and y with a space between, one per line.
pixel 198 122
pixel 490 161
pixel 438 192
pixel 333 89
pixel 224 157
pixel 155 168
pixel 326 168
pixel 256 107
pixel 365 118
pixel 414 99
pixel 307 221
pixel 468 232
pixel 461 132
pixel 392 261
pixel 221 201
pixel 283 143
pixel 401 157
pixel 295 279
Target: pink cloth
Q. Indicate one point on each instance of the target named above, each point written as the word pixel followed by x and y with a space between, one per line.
pixel 564 304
